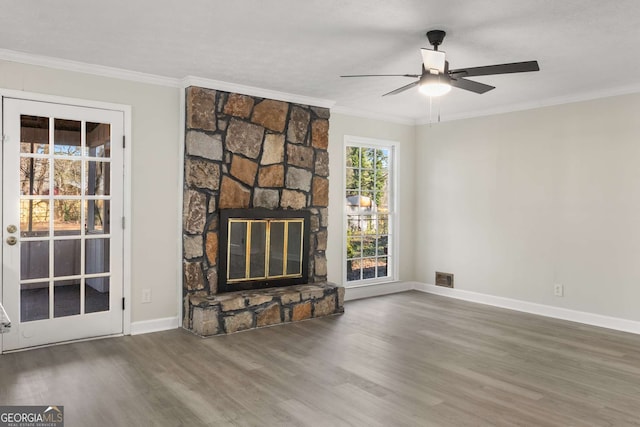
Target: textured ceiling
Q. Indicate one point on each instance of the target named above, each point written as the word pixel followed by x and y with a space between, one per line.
pixel 585 48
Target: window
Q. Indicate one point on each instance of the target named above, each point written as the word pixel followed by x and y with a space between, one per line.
pixel 369 211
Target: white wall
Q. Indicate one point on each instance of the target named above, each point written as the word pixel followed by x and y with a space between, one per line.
pixel 156 139
pixel 510 204
pixel 155 164
pixel 341 125
pixel 513 203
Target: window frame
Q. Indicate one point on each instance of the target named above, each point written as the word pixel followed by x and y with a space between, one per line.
pixel 393 213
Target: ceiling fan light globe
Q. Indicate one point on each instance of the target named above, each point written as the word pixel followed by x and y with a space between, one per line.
pixel 434 88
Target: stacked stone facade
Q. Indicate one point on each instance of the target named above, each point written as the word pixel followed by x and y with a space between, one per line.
pixel 237 311
pixel 245 152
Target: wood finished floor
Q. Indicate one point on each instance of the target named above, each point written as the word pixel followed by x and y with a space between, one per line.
pixel 409 359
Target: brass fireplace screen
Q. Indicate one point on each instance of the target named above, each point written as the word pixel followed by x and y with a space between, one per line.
pixel 260 251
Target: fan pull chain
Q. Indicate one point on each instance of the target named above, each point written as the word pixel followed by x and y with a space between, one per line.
pixel 431 111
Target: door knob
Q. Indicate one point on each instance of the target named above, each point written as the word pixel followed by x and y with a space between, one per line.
pixel 11 240
pixel 12 228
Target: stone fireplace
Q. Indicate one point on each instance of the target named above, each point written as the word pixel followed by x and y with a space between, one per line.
pixel 268 159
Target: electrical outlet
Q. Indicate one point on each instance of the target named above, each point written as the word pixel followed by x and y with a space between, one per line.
pixel 558 290
pixel 146 296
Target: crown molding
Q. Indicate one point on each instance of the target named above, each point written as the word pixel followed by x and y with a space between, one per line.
pixel 256 91
pixel 81 67
pixel 549 102
pixel 354 112
pixel 120 73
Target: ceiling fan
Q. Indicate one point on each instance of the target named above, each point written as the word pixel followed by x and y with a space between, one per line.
pixel 437 79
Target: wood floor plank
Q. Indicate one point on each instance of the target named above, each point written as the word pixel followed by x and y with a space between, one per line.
pixel 409 359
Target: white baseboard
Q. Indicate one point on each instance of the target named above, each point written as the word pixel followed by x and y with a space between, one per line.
pixel 360 292
pixel 154 325
pixel 366 291
pixel 592 319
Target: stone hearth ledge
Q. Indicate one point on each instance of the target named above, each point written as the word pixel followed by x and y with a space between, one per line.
pixel 238 311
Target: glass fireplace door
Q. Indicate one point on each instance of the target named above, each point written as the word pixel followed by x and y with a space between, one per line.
pixel 264 249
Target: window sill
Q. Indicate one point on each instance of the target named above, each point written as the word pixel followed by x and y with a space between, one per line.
pixel 373 282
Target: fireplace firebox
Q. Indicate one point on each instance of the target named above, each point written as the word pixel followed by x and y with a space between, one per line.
pixel 261 248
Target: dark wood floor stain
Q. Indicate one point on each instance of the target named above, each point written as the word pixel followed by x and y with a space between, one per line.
pixel 409 359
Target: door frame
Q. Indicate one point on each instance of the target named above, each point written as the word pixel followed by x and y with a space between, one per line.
pixel 126 196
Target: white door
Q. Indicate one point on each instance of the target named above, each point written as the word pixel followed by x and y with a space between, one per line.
pixel 62 193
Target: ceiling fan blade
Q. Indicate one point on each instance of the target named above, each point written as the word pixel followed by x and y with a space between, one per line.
pixel 384 75
pixel 515 67
pixel 403 88
pixel 433 60
pixel 470 85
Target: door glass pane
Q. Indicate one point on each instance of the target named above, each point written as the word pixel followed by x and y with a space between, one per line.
pixel 67 137
pixel 34 301
pixel 67 175
pixel 97 178
pixel 66 257
pixel 67 220
pixel 34 218
pixel 258 248
pixel 34 134
pixel 97 216
pixel 276 248
pixel 237 250
pixel 66 298
pixel 34 176
pixel 96 256
pixel 34 260
pixel 294 248
pixel 98 139
pixel 96 295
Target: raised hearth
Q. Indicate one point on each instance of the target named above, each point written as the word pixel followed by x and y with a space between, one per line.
pixel 238 311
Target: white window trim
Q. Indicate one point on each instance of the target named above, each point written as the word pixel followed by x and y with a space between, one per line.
pixel 394 147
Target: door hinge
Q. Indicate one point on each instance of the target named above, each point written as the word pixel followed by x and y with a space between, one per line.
pixel 123 223
pixel 123 139
pixel 123 303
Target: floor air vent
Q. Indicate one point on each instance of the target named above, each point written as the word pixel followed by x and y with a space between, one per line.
pixel 444 279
